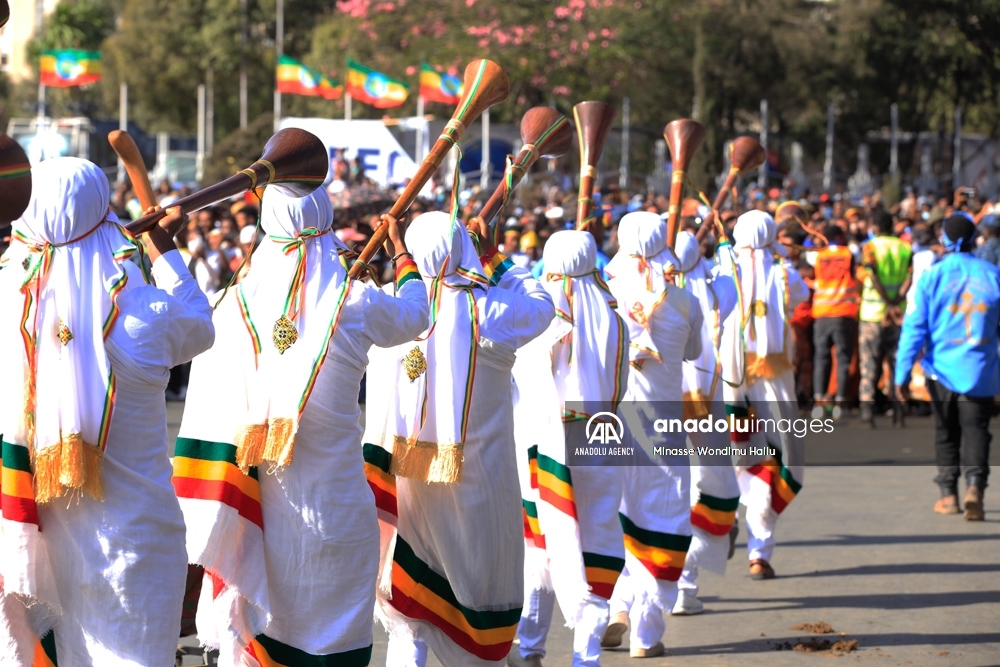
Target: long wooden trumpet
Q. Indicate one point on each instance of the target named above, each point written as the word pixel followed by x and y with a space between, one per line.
pixel 15 180
pixel 593 122
pixel 124 146
pixel 545 133
pixel 745 153
pixel 485 84
pixel 292 157
pixel 683 136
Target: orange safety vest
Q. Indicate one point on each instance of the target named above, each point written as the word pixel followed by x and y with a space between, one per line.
pixel 837 293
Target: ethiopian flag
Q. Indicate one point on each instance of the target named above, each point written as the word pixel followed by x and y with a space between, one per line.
pixel 436 86
pixel 297 79
pixel 70 68
pixel 374 88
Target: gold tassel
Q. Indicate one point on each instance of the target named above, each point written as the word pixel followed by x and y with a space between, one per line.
pixel 427 461
pixel 47 464
pixel 93 483
pixel 695 405
pixel 280 441
pixel 71 468
pixel 767 367
pixel 250 446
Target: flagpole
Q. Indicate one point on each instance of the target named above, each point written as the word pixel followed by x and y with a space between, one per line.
pixel 200 159
pixel 279 49
pixel 122 123
pixel 484 163
pixel 420 129
pixel 347 106
pixel 41 106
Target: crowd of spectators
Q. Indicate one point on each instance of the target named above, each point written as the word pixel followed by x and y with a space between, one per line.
pixel 844 337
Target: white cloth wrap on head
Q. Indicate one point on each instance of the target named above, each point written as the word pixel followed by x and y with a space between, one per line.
pixel 433 409
pixel 297 233
pixel 70 270
pixel 762 280
pixel 688 252
pixel 587 365
pixel 640 270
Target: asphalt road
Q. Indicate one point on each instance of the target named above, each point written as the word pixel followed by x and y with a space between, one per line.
pixel 858 549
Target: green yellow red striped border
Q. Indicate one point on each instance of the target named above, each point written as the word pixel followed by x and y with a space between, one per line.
pixel 783 485
pixel 420 593
pixel 602 572
pixel 272 653
pixel 532 529
pixel 17 484
pixel 714 515
pixel 381 481
pixel 663 554
pixel 555 485
pixel 206 470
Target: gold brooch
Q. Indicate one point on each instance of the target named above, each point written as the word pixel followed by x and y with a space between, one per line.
pixel 759 308
pixel 284 334
pixel 414 364
pixel 65 335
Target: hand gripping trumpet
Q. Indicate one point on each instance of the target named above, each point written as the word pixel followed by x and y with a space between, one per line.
pixel 545 133
pixel 745 153
pixel 485 84
pixel 292 157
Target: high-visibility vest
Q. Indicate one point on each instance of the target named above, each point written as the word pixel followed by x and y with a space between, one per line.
pixel 837 293
pixel 892 264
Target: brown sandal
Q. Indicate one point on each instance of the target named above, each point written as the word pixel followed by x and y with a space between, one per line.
pixel 760 569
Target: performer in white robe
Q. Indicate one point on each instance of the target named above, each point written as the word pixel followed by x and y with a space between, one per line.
pixel 665 327
pixel 760 384
pixel 92 540
pixel 269 466
pixel 578 506
pixel 453 576
pixel 714 490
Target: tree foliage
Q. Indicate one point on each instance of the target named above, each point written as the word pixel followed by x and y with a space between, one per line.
pixel 672 58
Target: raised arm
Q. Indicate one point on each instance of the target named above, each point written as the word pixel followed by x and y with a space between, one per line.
pixel 393 320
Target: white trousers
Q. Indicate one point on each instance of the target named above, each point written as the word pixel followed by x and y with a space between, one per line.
pixel 536 618
pixel 761 520
pixel 405 652
pixel 646 623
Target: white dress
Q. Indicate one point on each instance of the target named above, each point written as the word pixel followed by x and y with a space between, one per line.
pixel 655 506
pixel 120 565
pixel 462 542
pixel 301 582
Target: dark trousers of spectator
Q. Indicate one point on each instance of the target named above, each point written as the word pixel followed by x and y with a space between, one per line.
pixel 955 416
pixel 803 337
pixel 829 332
pixel 877 343
pixel 179 379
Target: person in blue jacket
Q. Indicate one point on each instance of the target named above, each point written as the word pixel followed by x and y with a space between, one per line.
pixel 955 323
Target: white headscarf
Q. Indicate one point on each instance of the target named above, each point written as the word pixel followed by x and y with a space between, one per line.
pixel 642 251
pixel 591 340
pixel 641 274
pixel 763 283
pixel 435 389
pixel 290 302
pixel 57 304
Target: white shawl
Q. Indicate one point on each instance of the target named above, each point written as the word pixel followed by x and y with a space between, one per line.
pixel 439 368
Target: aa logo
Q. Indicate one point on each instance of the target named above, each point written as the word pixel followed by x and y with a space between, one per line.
pixel 604 428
